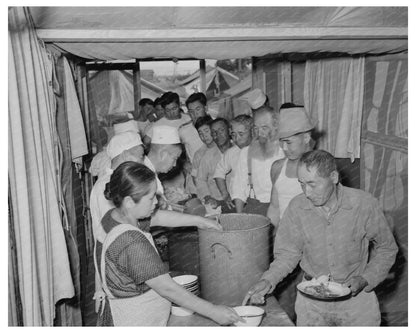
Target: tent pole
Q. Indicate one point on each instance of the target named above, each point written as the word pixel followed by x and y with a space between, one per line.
pixel 136 87
pixel 202 72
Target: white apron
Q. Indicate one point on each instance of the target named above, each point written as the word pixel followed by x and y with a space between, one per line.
pixel 148 309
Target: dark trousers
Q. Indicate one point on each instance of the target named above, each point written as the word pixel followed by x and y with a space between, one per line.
pixel 254 206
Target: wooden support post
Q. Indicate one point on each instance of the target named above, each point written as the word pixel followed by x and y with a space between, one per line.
pixel 136 87
pixel 202 73
pixel 286 82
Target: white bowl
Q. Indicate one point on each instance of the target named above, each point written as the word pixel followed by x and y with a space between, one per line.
pixel 180 311
pixel 255 313
pixel 185 279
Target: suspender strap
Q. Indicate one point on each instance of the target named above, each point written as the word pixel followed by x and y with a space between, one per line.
pixel 249 172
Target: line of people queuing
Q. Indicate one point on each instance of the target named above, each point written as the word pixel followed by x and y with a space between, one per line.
pixel 250 164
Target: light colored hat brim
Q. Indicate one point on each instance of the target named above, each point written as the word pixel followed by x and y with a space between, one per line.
pixel 293 121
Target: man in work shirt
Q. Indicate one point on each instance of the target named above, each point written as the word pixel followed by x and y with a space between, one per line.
pixel 329 228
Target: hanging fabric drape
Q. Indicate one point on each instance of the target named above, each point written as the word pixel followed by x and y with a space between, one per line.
pixel 78 139
pixel 43 265
pixel 333 95
pixel 70 129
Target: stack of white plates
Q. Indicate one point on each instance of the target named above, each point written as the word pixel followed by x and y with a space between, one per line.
pixel 190 283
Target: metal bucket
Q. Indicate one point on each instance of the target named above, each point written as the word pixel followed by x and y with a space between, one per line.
pixel 232 260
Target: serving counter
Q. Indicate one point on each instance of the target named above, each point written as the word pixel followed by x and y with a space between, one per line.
pixel 274 316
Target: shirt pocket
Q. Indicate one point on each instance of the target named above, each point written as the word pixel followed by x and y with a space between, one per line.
pixel 355 248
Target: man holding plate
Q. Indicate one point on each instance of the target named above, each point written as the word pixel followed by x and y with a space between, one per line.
pixel 328 229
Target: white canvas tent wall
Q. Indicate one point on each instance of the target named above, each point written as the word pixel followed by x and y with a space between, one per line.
pixel 220 32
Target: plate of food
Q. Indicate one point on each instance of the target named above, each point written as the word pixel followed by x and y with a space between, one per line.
pixel 324 290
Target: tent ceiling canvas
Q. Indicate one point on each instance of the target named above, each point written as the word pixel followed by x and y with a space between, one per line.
pixel 110 33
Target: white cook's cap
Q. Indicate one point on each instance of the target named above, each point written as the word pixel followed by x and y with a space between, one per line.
pixel 123 141
pixel 255 98
pixel 127 126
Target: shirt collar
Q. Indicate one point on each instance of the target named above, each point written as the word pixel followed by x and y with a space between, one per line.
pixel 343 201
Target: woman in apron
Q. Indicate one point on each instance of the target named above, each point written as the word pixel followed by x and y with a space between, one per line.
pixel 138 288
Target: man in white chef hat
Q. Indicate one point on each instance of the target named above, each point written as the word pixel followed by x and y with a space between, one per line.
pixel 256 99
pixel 165 148
pixel 101 161
pixel 128 146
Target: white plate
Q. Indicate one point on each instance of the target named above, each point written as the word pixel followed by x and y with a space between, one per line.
pixel 333 290
pixel 186 279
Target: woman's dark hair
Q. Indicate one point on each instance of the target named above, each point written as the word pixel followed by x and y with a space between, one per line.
pixel 129 179
pixel 200 97
pixel 170 97
pixel 201 121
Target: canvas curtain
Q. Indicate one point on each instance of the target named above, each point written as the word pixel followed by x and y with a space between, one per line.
pixel 384 167
pixel 43 268
pixel 333 95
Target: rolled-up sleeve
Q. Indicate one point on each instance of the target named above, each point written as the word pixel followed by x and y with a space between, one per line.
pixel 385 247
pixel 240 183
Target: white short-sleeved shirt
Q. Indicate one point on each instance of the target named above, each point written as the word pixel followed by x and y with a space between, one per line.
pixel 226 166
pixel 205 183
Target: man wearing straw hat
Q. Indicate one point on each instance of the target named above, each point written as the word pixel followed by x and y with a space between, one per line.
pixel 295 129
